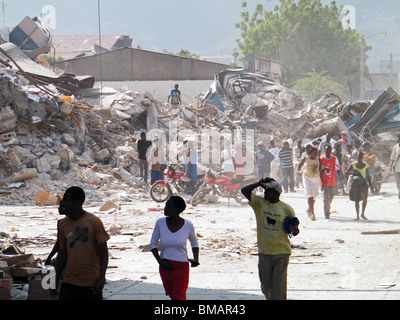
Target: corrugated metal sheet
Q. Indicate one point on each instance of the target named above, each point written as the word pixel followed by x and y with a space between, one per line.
pixel 66 82
pixel 375 114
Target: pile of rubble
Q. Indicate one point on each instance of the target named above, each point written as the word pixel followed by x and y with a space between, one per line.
pixel 21 275
pixel 50 141
pixel 239 99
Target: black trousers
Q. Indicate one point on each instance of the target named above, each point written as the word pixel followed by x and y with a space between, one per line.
pixel 71 292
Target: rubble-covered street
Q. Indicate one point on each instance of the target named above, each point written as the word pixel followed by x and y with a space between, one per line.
pixel 336 259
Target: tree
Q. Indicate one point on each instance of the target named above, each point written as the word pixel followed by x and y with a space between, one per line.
pixel 51 59
pixel 315 85
pixel 187 54
pixel 303 36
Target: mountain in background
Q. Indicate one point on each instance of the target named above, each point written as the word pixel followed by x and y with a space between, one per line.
pixel 205 27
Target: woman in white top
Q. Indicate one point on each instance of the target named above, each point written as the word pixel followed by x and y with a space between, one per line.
pixel 173 232
pixel 227 156
pixel 311 178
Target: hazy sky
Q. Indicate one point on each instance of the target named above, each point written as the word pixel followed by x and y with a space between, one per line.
pixel 204 27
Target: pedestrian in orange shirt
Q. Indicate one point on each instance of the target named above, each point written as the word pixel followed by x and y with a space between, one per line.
pixel 83 250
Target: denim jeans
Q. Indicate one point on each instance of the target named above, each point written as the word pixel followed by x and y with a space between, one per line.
pixel 288 178
pixel 329 193
pixel 144 169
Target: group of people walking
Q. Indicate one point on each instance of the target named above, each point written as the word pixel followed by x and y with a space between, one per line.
pixel 82 251
pixel 332 167
pixel 325 168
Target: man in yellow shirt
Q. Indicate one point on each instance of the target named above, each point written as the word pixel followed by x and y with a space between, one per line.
pixel 272 237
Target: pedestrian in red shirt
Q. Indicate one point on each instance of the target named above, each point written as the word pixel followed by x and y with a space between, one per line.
pixel 328 173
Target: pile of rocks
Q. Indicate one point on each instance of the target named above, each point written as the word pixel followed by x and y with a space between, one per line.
pixel 50 142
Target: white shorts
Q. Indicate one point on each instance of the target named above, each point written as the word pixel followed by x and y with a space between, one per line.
pixel 311 186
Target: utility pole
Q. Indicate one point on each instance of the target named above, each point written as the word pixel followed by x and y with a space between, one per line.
pixel 3 7
pixel 391 69
pixel 392 73
pixel 362 82
pixel 362 71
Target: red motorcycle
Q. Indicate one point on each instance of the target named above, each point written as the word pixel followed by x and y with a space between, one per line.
pixel 220 185
pixel 162 190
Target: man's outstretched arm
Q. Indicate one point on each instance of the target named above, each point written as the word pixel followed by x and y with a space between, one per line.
pixel 249 189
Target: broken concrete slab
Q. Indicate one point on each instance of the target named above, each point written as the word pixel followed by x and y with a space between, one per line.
pixel 42 165
pixel 24 174
pixel 46 198
pixel 108 206
pixel 68 139
pixel 102 155
pixel 65 154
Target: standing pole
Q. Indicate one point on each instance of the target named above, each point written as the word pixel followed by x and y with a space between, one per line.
pixel 391 69
pixel 3 7
pixel 101 71
pixel 362 86
pixel 101 65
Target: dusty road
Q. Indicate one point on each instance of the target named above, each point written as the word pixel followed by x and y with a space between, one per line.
pixel 331 259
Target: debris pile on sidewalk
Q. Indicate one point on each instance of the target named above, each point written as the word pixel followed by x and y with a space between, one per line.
pixel 20 275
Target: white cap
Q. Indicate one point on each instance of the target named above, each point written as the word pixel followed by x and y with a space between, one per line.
pixel 272 185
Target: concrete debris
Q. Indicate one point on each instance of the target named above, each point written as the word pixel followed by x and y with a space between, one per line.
pixel 46 198
pixel 109 205
pixel 50 140
pixel 24 174
pixel 239 99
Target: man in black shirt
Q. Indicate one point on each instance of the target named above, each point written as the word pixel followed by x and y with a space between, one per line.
pixel 142 146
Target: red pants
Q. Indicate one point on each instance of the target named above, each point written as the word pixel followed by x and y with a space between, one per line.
pixel 176 281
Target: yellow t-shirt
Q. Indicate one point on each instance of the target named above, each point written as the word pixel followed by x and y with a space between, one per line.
pixel 271 235
pixel 362 171
pixel 80 238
